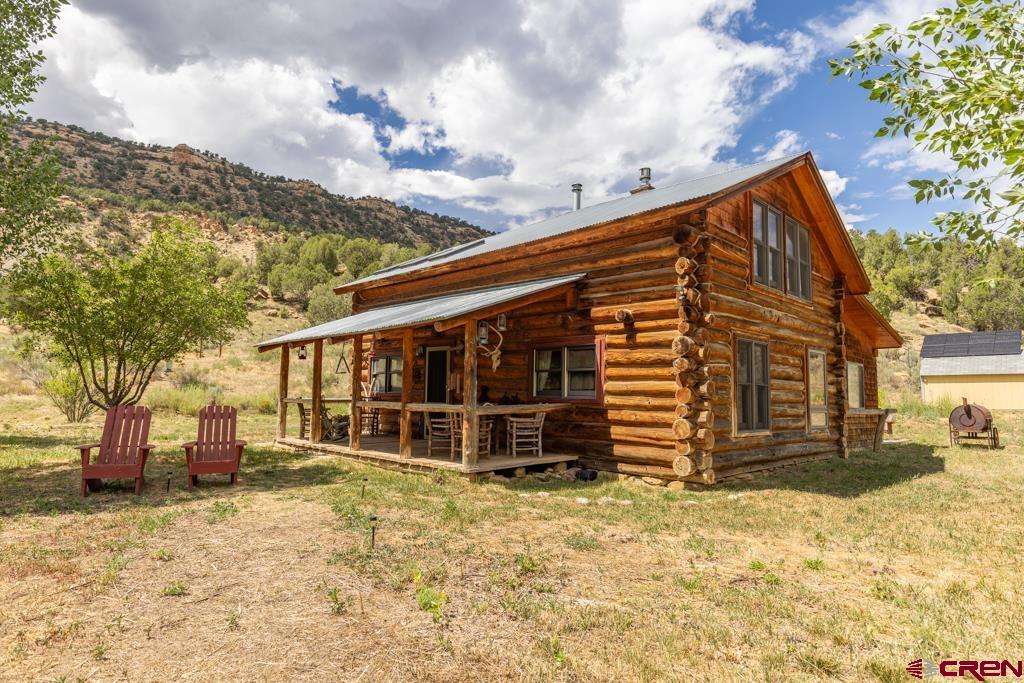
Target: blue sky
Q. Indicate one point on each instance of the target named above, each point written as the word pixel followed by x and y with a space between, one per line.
pixel 489 111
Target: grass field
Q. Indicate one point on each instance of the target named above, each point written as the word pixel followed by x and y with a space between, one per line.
pixel 844 569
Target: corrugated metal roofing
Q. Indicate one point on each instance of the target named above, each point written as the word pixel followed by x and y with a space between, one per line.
pixel 1010 364
pixel 615 209
pixel 422 311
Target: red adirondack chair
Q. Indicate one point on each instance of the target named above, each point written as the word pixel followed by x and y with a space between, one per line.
pixel 123 449
pixel 215 450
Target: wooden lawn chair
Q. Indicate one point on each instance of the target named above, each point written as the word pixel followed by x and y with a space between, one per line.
pixel 215 450
pixel 123 449
pixel 305 416
pixel 525 434
pixel 439 434
pixel 485 435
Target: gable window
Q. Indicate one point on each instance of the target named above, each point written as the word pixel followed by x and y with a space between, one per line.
pixel 767 246
pixel 386 374
pixel 855 385
pixel 798 259
pixel 817 390
pixel 566 371
pixel 751 385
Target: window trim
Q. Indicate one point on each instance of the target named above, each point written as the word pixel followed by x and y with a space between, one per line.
pixel 754 205
pixel 567 342
pixel 849 395
pixel 389 356
pixel 755 431
pixel 811 427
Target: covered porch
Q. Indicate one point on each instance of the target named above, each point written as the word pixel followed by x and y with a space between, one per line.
pixel 403 367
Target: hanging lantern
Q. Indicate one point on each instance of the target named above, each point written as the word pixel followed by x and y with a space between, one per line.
pixel 483 335
pixel 502 322
pixel 302 353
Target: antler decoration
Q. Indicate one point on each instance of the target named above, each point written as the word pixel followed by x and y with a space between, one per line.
pixel 494 353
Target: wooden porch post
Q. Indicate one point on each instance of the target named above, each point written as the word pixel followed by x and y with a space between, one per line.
pixel 316 428
pixel 470 422
pixel 355 427
pixel 282 393
pixel 405 426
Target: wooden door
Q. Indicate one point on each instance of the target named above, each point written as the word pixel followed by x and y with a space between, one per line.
pixel 437 371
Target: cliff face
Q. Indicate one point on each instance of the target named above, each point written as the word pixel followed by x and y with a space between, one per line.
pixel 207 181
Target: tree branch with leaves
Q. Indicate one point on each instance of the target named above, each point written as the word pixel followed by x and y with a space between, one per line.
pixel 955 81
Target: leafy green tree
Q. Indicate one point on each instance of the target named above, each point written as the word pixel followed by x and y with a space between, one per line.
pixel 955 81
pixel 30 216
pixel 324 305
pixel 319 251
pixel 116 319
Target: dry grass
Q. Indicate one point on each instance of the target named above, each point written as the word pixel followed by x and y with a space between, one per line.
pixel 837 570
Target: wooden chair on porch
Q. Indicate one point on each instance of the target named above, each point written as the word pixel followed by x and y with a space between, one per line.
pixel 123 449
pixel 215 450
pixel 439 434
pixel 525 434
pixel 370 421
pixel 486 435
pixel 305 416
pixel 334 427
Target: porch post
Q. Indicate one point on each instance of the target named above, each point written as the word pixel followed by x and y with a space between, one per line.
pixel 405 426
pixel 282 393
pixel 316 426
pixel 355 427
pixel 470 423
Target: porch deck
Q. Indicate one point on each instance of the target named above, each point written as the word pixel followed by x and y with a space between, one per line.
pixel 383 451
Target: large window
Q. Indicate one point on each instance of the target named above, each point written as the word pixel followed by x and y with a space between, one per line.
pixel 817 390
pixel 569 371
pixel 751 385
pixel 855 385
pixel 776 251
pixel 386 374
pixel 798 259
pixel 767 245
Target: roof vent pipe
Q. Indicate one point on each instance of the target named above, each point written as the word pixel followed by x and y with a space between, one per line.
pixel 645 181
pixel 577 193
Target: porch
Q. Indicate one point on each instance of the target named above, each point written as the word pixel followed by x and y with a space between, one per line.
pixel 421 342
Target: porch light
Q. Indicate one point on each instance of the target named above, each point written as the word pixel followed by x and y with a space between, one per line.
pixel 483 335
pixel 420 351
pixel 302 353
pixel 502 322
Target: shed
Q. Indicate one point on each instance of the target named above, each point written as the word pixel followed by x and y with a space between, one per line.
pixel 985 367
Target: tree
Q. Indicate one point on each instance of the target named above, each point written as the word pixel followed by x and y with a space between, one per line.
pixel 324 305
pixel 955 80
pixel 116 319
pixel 30 216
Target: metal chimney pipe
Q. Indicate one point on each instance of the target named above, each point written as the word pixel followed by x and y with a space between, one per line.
pixel 645 176
pixel 577 195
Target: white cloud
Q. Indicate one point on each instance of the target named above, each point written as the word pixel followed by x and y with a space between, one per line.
pixel 787 142
pixel 831 135
pixel 899 154
pixel 860 17
pixel 555 92
pixel 835 183
pixel 853 214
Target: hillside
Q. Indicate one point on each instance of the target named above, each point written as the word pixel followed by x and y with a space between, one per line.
pixel 208 182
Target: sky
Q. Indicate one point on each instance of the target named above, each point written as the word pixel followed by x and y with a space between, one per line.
pixel 489 111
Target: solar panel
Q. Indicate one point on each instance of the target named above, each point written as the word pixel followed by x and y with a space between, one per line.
pixel 999 343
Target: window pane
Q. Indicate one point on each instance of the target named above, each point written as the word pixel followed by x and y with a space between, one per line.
pixel 396 363
pixel 805 245
pixel 762 407
pixel 547 365
pixel 761 364
pixel 582 382
pixel 760 251
pixel 581 358
pixel 805 280
pixel 774 219
pixel 746 407
pixel 775 269
pixel 855 384
pixel 816 389
pixel 743 362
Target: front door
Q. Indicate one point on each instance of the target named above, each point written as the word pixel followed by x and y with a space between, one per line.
pixel 437 375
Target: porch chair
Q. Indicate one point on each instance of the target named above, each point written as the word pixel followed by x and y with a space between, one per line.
pixel 370 417
pixel 439 434
pixel 215 450
pixel 485 435
pixel 524 434
pixel 333 427
pixel 305 416
pixel 123 449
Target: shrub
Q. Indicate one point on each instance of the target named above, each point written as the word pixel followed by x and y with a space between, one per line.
pixel 182 401
pixel 65 390
pixel 912 406
pixel 187 378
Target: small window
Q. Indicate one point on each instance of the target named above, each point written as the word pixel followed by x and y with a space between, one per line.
pixel 855 385
pixel 817 389
pixel 767 246
pixel 798 259
pixel 751 385
pixel 566 371
pixel 386 374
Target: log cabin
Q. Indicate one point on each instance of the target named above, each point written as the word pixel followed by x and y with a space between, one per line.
pixel 693 332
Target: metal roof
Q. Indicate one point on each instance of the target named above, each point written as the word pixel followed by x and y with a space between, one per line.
pixel 686 191
pixel 973 365
pixel 1002 343
pixel 422 311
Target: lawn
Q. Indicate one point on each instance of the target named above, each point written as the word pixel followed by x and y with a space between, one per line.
pixel 843 569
